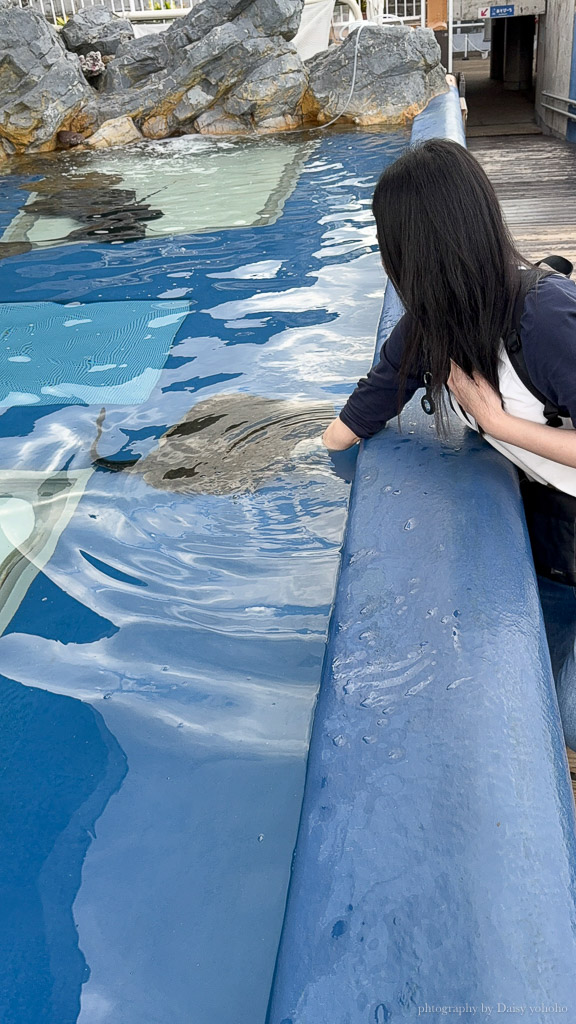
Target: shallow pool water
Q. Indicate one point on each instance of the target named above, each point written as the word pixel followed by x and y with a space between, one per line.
pixel 169 538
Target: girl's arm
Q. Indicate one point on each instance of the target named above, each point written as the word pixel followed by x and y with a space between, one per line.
pixel 480 400
pixel 374 401
pixel 337 436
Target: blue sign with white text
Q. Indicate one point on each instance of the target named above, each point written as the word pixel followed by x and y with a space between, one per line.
pixel 502 11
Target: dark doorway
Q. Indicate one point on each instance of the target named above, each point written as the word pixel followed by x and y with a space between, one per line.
pixel 499 90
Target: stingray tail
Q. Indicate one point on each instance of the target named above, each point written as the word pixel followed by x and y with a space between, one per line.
pixel 113 465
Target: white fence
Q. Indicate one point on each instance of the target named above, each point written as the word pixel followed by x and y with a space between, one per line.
pixel 405 9
pixel 60 10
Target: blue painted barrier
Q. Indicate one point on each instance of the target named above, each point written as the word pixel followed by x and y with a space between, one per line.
pixel 434 871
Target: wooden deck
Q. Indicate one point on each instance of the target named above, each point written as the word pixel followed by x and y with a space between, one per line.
pixel 535 178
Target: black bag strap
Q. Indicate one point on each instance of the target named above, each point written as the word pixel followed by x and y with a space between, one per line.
pixel 553 413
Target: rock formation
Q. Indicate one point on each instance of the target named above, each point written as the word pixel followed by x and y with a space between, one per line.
pixel 96 28
pixel 120 131
pixel 226 66
pixel 398 72
pixel 42 88
pixel 206 73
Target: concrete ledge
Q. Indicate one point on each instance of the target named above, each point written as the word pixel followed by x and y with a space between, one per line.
pixel 435 861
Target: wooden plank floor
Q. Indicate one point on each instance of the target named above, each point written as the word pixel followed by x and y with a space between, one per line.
pixel 535 179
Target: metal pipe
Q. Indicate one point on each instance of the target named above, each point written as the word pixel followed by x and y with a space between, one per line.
pixel 564 113
pixel 423 13
pixel 563 99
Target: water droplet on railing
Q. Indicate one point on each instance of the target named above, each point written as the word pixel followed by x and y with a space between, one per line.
pixel 465 679
pixel 397 753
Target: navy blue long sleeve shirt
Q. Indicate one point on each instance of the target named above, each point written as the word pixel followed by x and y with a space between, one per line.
pixel 548 334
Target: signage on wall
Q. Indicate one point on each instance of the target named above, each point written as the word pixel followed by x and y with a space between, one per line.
pixel 496 11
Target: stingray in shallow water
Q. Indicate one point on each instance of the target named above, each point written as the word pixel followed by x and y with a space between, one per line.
pixel 228 444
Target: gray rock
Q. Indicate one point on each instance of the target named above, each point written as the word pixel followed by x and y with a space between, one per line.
pixel 140 58
pixel 269 17
pixel 273 88
pixel 202 19
pixel 193 103
pixel 226 66
pixel 43 88
pixel 276 17
pixel 137 62
pixel 233 63
pixel 216 121
pixel 96 28
pixel 398 72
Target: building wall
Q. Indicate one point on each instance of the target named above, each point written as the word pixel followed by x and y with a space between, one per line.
pixel 554 61
pixel 467 10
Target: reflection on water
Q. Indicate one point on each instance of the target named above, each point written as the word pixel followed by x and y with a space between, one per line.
pixel 173 616
pixel 34 510
pixel 227 444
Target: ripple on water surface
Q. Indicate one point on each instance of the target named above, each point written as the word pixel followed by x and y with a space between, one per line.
pixel 170 553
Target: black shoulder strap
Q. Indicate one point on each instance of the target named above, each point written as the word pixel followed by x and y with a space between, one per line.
pixel 553 413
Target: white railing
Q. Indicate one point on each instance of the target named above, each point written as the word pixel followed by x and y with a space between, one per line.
pixel 407 12
pixel 405 9
pixel 60 10
pixel 386 10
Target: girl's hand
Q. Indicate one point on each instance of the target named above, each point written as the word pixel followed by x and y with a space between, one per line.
pixel 478 398
pixel 338 437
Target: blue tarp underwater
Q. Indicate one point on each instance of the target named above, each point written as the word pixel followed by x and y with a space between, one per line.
pixel 102 353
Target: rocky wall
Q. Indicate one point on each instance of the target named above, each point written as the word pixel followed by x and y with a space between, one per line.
pixel 227 66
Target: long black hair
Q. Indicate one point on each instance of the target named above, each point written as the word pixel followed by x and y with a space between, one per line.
pixel 451 258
